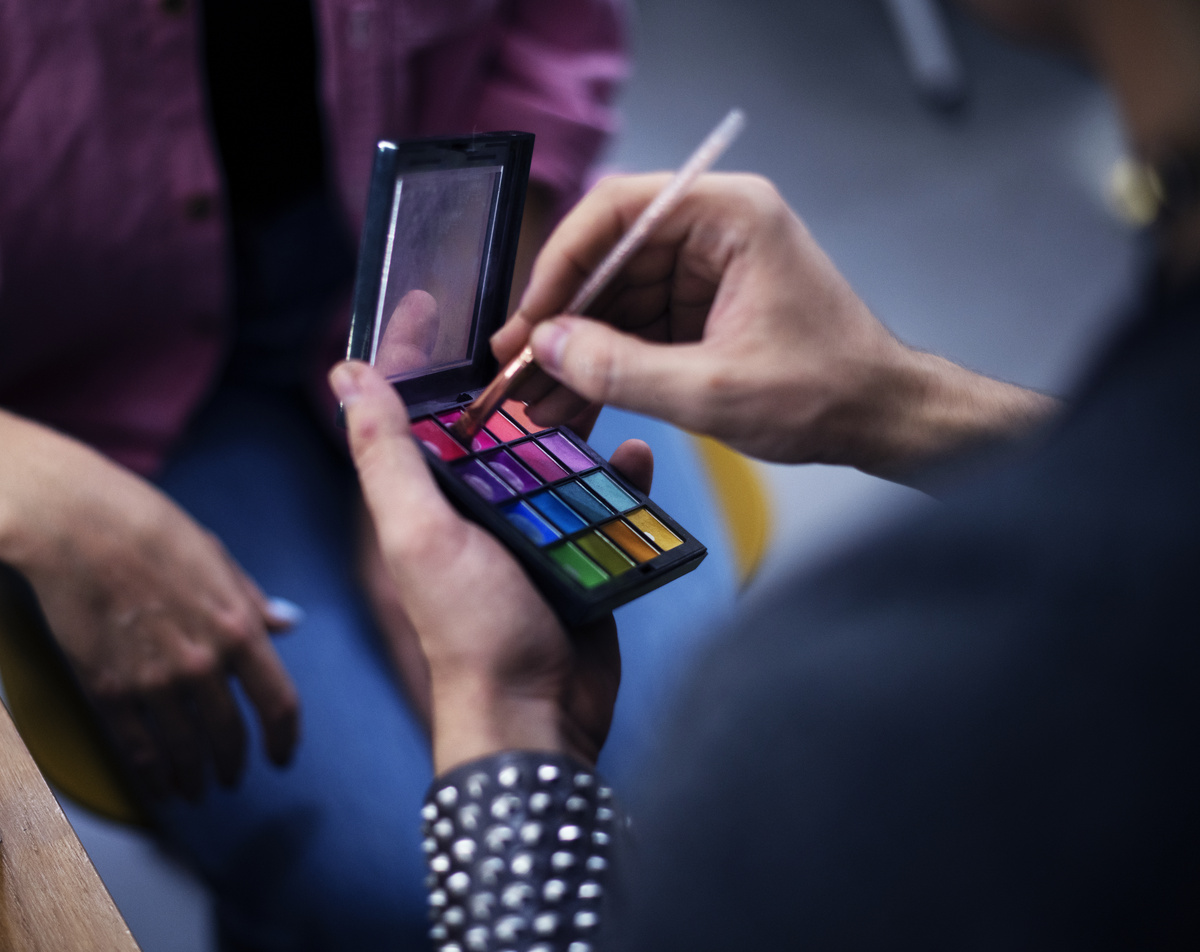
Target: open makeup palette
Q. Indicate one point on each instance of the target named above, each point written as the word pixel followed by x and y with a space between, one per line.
pixel 434 271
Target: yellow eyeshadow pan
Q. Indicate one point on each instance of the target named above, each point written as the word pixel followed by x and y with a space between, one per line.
pixel 659 534
pixel 633 544
pixel 604 553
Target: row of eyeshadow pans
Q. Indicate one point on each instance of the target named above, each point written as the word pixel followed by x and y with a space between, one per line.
pixel 556 495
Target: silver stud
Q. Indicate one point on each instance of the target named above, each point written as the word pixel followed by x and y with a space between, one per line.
pixel 443 829
pixel 447 796
pixel 539 802
pixel 579 947
pixel 481 905
pixel 490 870
pixel 562 860
pixel 599 837
pixel 531 833
pixel 454 917
pixel 440 863
pixel 439 933
pixel 584 780
pixel 429 844
pixel 589 890
pixel 546 924
pixel 451 947
pixel 603 814
pixel 509 928
pixel 597 864
pixel 509 776
pixel 459 883
pixel 548 773
pixel 541 947
pixel 505 805
pixel 586 920
pixel 429 812
pixel 516 895
pixel 497 838
pixel 576 804
pixel 554 890
pixel 522 864
pixel 476 784
pixel 438 899
pixel 468 817
pixel 477 938
pixel 604 793
pixel 464 850
pixel 569 833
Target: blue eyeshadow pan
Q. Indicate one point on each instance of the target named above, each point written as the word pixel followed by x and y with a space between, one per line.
pixel 557 512
pixel 536 529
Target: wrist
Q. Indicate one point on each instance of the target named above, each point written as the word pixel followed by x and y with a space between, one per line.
pixel 473 716
pixel 926 408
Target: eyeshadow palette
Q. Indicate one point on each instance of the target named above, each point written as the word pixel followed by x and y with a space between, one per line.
pixel 434 273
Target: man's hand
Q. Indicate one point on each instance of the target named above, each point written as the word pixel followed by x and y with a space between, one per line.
pixel 151 611
pixel 732 322
pixel 504 674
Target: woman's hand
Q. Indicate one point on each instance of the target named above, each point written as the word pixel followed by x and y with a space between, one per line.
pixel 732 322
pixel 152 613
pixel 503 673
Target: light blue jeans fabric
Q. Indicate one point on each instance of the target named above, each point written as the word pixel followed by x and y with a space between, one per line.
pixel 325 853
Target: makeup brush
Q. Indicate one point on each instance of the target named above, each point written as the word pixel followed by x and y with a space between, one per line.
pixel 522 366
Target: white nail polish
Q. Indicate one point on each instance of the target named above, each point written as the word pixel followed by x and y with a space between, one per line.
pixel 284 610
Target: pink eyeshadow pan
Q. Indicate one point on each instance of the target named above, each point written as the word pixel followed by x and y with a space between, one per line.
pixel 481 441
pixel 503 429
pixel 567 452
pixel 437 439
pixel 537 460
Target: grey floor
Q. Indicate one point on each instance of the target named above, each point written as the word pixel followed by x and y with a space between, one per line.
pixel 985 237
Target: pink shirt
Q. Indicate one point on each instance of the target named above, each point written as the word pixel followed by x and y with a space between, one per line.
pixel 113 246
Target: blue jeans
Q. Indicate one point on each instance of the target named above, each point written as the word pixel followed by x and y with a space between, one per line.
pixel 325 853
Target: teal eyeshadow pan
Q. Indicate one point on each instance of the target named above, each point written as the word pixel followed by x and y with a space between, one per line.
pixel 610 492
pixel 583 502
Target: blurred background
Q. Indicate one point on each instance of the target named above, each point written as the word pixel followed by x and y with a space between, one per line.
pixel 985 233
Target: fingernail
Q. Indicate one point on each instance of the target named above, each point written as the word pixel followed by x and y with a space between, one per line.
pixel 345 383
pixel 549 340
pixel 284 611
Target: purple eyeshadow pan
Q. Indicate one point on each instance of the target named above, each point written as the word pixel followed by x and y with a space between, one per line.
pixel 536 459
pixel 512 472
pixel 567 452
pixel 478 477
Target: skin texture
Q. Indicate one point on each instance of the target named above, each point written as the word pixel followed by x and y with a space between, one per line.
pixel 150 610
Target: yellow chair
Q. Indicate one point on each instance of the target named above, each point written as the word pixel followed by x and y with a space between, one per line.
pixel 51 713
pixel 53 717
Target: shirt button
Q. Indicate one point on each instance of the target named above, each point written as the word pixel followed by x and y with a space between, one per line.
pixel 199 207
pixel 173 7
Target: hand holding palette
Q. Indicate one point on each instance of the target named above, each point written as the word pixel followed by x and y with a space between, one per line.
pixel 443 218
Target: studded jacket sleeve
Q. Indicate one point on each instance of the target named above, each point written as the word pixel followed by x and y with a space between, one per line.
pixel 518 846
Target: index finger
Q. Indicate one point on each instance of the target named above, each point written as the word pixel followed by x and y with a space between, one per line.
pixel 573 251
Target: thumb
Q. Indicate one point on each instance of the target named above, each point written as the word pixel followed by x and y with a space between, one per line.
pixel 604 365
pixel 396 482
